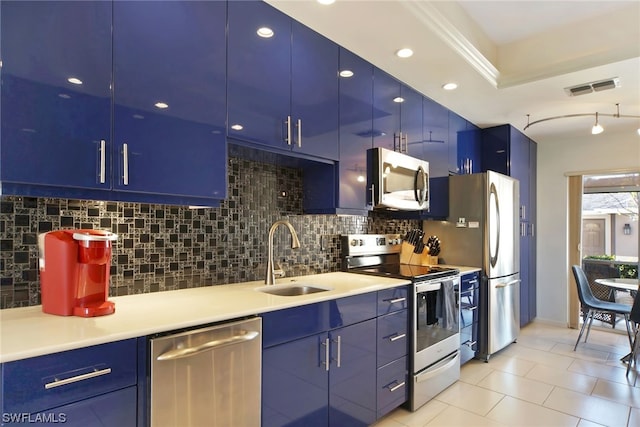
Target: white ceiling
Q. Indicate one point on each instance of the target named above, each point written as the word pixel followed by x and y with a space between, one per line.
pixel 509 58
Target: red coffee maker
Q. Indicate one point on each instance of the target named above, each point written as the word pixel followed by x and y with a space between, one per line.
pixel 74 272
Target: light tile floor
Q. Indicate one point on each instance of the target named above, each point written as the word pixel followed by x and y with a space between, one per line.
pixel 539 381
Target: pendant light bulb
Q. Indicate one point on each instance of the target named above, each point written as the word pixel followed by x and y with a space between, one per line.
pixel 596 129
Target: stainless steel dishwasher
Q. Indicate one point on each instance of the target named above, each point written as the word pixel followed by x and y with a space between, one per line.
pixel 207 377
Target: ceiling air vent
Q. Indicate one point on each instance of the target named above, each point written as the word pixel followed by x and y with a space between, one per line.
pixel 598 86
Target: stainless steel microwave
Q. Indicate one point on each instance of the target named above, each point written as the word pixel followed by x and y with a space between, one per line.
pixel 397 181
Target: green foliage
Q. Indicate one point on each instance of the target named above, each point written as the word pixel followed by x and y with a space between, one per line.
pixel 628 271
pixel 604 257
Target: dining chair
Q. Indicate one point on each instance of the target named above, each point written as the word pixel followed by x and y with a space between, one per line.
pixel 592 305
pixel 634 316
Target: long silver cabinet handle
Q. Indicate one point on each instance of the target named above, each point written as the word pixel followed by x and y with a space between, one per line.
pixel 103 149
pixel 58 383
pixel 338 360
pixel 299 133
pixel 396 387
pixel 504 285
pixel 288 122
pixel 125 163
pixel 327 354
pixel 396 300
pixel 179 353
pixel 397 337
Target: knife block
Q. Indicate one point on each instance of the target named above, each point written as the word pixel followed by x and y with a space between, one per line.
pixel 427 259
pixel 407 256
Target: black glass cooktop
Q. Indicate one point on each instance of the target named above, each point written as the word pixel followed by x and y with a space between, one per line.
pixel 407 271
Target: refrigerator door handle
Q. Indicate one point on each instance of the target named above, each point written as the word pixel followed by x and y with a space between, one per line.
pixel 494 202
pixel 504 285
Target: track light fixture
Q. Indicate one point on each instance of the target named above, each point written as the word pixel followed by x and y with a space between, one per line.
pixel 597 127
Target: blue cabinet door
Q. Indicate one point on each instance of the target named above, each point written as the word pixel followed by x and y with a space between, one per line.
pixel 295 383
pixel 259 71
pixel 169 98
pixel 352 380
pixel 457 132
pixel 56 131
pixel 436 137
pixel 356 129
pixel 386 107
pixel 411 122
pixel 314 93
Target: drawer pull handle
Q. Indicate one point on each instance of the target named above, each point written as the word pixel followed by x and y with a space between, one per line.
pixel 396 300
pixel 396 387
pixel 57 383
pixel 471 308
pixel 470 344
pixel 474 281
pixel 397 337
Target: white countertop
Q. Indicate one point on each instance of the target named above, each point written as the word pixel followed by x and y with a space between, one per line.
pixel 28 332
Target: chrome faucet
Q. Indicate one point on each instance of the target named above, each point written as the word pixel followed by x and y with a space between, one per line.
pixel 270 278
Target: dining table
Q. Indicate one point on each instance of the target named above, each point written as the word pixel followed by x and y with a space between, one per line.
pixel 622 284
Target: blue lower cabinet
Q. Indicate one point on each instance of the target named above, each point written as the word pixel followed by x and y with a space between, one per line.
pixel 89 386
pixel 321 363
pixel 393 386
pixel 469 302
pixel 295 383
pixel 352 384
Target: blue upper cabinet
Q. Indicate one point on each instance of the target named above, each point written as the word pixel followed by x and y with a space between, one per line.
pixel 356 129
pixel 411 124
pixel 386 109
pixel 314 93
pixel 436 137
pixel 469 150
pixel 169 98
pixel 282 82
pixel 56 96
pixel 397 115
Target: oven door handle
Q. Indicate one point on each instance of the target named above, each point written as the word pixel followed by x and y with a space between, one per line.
pixel 436 369
pixel 428 287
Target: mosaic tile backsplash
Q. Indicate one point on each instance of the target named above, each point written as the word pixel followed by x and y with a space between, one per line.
pixel 163 247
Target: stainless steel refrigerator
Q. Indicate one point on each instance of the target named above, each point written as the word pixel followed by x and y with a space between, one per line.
pixel 482 231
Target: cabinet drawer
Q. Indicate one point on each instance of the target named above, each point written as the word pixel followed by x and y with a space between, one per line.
pixel 45 382
pixel 393 386
pixel 468 343
pixel 392 337
pixel 297 322
pixel 292 323
pixel 349 310
pixel 391 300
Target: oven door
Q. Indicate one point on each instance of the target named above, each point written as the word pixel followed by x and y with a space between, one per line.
pixel 436 321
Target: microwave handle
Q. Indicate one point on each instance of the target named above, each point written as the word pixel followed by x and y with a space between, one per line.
pixel 420 197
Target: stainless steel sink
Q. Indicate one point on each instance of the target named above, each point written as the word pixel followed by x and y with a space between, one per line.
pixel 291 290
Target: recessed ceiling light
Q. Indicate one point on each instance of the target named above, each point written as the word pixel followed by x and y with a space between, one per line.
pixel 398 99
pixel 265 32
pixel 326 2
pixel 404 53
pixel 237 127
pixel 450 86
pixel 346 73
pixel 161 105
pixel 74 80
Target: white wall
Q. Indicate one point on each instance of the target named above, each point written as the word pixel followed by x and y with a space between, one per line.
pixel 593 153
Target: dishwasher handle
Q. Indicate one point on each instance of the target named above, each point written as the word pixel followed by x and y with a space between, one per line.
pixel 179 353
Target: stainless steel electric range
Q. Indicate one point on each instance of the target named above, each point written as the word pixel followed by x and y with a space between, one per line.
pixel 434 310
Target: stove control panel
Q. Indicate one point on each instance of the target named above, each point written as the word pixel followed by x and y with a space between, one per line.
pixel 370 244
